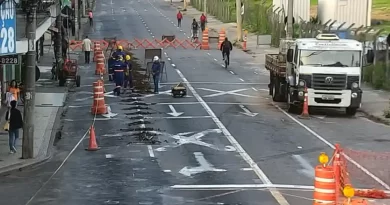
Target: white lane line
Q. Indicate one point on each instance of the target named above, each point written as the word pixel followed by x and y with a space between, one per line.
pixel 246 169
pixel 241 79
pixel 169 59
pixel 277 195
pixel 333 147
pixel 167 171
pixel 181 117
pixel 151 152
pixel 215 60
pixel 231 72
pixel 221 83
pixel 209 54
pixel 173 65
pixel 109 156
pixel 242 186
pixel 254 89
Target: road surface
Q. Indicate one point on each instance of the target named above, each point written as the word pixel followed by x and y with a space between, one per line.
pixel 221 144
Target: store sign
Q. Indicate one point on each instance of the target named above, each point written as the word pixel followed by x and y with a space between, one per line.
pixel 9 60
pixel 8 27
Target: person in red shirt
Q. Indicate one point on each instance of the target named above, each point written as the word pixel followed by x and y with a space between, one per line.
pixel 203 21
pixel 179 17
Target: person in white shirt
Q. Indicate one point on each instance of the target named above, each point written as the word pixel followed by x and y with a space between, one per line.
pixel 87 47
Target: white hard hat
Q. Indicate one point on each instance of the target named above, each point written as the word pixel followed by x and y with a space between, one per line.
pixel 155 58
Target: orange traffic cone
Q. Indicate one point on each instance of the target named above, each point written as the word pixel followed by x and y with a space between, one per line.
pixel 305 111
pixel 93 146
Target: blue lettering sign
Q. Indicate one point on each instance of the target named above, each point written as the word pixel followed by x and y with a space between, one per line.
pixel 8 28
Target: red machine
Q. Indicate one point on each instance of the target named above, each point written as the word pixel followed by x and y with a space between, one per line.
pixel 69 73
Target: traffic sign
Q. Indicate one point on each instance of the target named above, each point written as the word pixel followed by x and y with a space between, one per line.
pixel 8 28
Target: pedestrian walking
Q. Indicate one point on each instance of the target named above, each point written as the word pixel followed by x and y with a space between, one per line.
pixel 15 122
pixel 87 47
pixel 156 68
pixel 90 16
pixel 179 17
pixel 203 21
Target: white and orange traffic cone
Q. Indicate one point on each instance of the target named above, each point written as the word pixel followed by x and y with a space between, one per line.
pixel 305 111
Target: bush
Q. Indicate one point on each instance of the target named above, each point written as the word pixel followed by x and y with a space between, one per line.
pixel 376 76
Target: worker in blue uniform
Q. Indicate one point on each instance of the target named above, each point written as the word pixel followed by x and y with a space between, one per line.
pixel 128 73
pixel 111 62
pixel 119 52
pixel 119 69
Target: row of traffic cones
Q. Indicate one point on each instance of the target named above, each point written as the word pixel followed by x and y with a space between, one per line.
pixel 98 106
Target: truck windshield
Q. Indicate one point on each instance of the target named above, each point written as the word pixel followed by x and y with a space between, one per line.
pixel 330 58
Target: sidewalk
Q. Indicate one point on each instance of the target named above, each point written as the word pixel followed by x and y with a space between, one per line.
pixel 49 100
pixel 374 102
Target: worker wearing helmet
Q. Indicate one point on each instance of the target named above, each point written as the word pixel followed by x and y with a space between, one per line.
pixel 156 69
pixel 128 73
pixel 119 69
pixel 119 52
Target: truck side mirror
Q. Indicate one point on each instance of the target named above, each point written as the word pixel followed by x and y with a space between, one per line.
pixel 290 53
pixel 370 56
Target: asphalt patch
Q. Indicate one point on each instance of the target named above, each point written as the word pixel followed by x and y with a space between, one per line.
pixel 138 107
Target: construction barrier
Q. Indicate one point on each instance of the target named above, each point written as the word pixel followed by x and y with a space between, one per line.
pixel 221 38
pixel 100 64
pixel 324 185
pixel 327 189
pixel 369 170
pixel 141 44
pixel 97 49
pixel 205 40
pixel 99 106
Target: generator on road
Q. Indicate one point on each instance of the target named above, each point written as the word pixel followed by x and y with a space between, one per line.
pixel 327 67
pixel 179 90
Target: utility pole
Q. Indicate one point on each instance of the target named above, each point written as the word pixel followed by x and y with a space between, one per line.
pixel 76 19
pixel 83 6
pixel 58 43
pixel 239 20
pixel 205 7
pixel 29 95
pixel 290 17
pixel 185 5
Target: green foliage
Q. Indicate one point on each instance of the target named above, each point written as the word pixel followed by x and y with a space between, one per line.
pixel 376 76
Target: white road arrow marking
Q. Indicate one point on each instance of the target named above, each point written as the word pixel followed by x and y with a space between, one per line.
pixel 173 112
pixel 195 138
pixel 307 170
pixel 247 111
pixel 205 166
pixel 109 113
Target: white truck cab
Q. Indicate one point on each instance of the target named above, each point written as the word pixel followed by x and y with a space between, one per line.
pixel 329 68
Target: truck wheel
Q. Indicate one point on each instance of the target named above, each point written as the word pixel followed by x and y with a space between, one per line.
pixel 351 111
pixel 276 90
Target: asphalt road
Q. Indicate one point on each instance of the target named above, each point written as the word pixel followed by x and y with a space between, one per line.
pixel 224 134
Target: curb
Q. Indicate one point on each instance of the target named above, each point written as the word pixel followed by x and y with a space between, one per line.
pixel 374 118
pixel 21 165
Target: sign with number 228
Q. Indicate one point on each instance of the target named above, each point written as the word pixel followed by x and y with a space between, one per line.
pixel 7 28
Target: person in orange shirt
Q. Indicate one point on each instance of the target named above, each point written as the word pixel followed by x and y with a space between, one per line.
pixel 13 88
